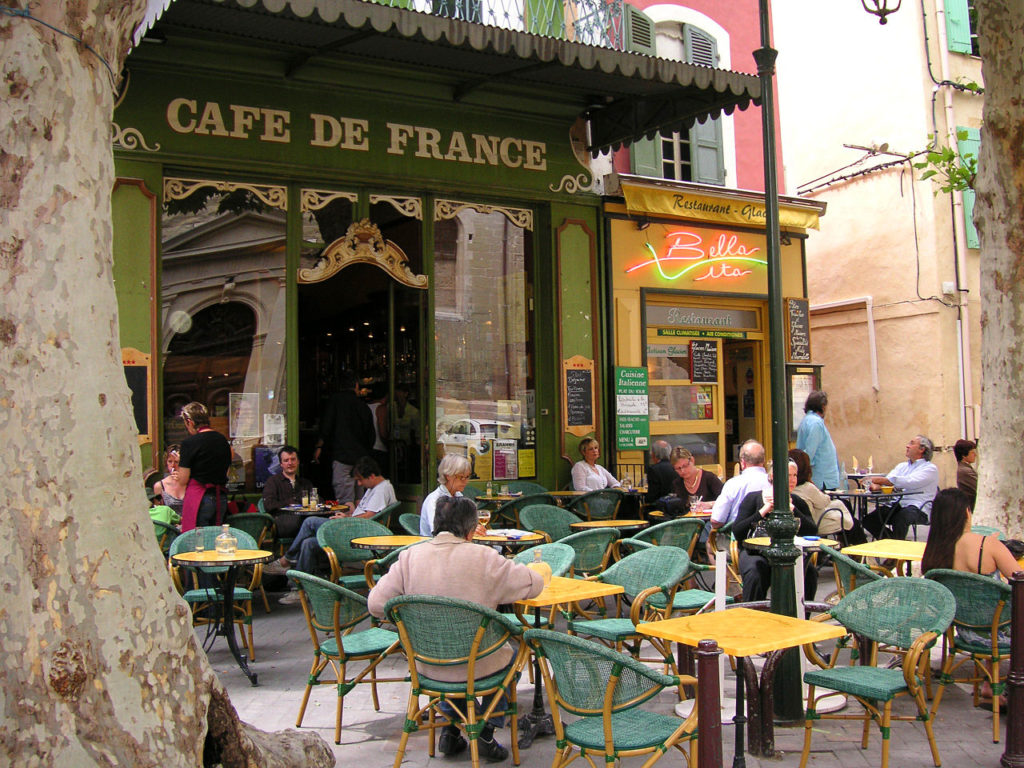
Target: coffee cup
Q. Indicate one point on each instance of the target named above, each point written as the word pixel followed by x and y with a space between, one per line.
pixel 886 489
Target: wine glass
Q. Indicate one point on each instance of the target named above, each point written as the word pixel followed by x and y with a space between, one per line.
pixel 695 503
pixel 483 516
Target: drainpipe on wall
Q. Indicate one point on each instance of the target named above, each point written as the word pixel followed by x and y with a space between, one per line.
pixel 969 415
pixel 869 310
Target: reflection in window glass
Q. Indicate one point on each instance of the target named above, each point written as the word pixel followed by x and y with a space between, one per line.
pixel 483 345
pixel 681 403
pixel 668 361
pixel 223 300
pixel 703 446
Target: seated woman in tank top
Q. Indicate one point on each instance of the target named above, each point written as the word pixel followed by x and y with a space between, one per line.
pixel 952 544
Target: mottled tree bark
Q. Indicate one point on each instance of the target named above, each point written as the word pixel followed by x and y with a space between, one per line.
pixel 99 664
pixel 999 215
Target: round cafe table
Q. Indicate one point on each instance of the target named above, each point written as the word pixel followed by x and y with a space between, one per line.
pixel 211 558
pixel 622 524
pixel 508 540
pixel 385 543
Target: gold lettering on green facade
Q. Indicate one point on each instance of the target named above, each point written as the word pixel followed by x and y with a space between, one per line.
pixel 239 121
pixel 344 133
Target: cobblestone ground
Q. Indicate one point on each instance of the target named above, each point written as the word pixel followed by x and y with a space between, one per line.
pixel 369 739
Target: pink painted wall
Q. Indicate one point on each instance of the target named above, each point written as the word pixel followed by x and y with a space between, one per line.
pixel 740 19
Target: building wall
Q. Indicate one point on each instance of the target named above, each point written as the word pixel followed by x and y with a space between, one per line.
pixel 888 238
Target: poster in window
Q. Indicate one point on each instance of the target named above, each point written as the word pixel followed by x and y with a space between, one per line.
pixel 244 412
pixel 505 460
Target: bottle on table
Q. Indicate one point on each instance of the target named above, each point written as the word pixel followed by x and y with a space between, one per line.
pixel 490 488
pixel 314 499
pixel 305 499
pixel 226 543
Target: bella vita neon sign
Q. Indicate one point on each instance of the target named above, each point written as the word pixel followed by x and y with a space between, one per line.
pixel 723 258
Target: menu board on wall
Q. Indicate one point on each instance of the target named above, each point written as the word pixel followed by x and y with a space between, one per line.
pixel 704 362
pixel 632 414
pixel 798 331
pixel 138 374
pixel 578 395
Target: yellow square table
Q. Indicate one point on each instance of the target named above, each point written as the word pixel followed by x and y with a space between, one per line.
pixel 889 549
pixel 744 632
pixel 560 590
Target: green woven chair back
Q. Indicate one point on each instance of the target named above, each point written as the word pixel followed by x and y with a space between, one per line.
pixel 550 518
pixel 680 533
pixel 590 548
pixel 558 555
pixel 471 492
pixel 895 611
pixel 988 530
pixel 849 573
pixel 165 535
pixel 583 670
pixel 510 511
pixel 260 507
pixel 327 601
pixel 384 517
pixel 186 542
pixel 256 524
pixel 662 567
pixel 977 598
pixel 337 534
pixel 446 631
pixel 597 505
pixel 410 523
pixel 525 487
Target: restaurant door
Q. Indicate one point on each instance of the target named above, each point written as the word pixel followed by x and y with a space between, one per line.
pixel 360 309
pixel 743 401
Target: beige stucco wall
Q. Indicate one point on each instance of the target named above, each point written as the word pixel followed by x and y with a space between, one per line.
pixel 843 79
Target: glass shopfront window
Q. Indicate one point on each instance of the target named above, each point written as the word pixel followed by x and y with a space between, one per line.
pixel 223 315
pixel 484 364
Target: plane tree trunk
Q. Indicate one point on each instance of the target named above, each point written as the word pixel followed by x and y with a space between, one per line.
pixel 100 666
pixel 999 215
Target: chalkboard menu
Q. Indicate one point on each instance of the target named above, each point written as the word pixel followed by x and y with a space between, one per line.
pixel 579 387
pixel 798 331
pixel 578 395
pixel 704 362
pixel 138 375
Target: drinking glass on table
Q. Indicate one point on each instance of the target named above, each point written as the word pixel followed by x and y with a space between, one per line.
pixel 695 503
pixel 483 516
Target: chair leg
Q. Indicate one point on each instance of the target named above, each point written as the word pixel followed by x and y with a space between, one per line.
pixel 341 703
pixel 411 719
pixel 471 731
pixel 808 722
pixel 886 718
pixel 373 686
pixel 314 674
pixel 993 675
pixel 922 708
pixel 263 594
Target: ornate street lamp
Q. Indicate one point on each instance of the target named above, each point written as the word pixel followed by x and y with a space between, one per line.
pixel 880 8
pixel 781 524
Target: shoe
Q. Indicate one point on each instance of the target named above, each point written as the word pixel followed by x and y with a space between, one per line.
pixel 292 598
pixel 451 741
pixel 491 750
pixel 277 568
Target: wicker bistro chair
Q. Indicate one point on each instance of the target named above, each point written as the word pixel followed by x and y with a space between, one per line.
pixel 559 557
pixel 549 519
pixel 643 575
pixel 410 523
pixel 260 526
pixel 687 599
pixel 332 614
pixel 447 632
pixel 850 574
pixel 165 534
pixel 335 537
pixel 732 547
pixel 374 569
pixel 508 513
pixel 906 613
pixel 979 633
pixel 681 532
pixel 593 549
pixel 386 516
pixel 205 602
pixel 597 505
pixel 605 689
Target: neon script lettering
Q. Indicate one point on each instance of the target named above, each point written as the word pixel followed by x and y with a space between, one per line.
pixel 714 260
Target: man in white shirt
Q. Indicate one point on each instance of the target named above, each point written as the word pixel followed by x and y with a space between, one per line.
pixel 303 552
pixel 752 477
pixel 918 479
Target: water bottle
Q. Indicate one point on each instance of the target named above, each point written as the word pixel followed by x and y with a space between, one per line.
pixel 226 543
pixel 490 488
pixel 314 499
pixel 537 555
pixel 844 480
pixel 627 482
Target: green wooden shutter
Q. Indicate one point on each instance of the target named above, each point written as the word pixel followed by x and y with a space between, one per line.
pixel 706 155
pixel 645 157
pixel 969 146
pixel 958 26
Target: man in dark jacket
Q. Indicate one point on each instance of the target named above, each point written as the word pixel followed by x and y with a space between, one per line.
pixel 660 474
pixel 347 427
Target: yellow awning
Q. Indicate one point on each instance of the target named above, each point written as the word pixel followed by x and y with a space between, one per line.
pixel 718 208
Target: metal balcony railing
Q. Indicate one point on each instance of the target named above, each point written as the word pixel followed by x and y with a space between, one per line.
pixel 590 22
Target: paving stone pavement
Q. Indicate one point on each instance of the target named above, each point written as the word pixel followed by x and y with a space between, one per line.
pixel 369 739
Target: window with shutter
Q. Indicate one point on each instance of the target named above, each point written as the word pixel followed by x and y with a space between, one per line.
pixel 969 145
pixel 962 27
pixel 693 155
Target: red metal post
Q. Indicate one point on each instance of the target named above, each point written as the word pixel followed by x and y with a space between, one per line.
pixel 709 706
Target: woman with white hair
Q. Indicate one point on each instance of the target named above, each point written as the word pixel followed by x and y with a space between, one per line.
pixel 452 475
